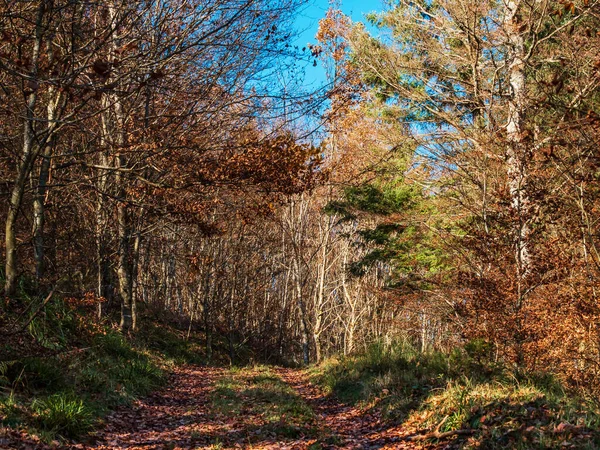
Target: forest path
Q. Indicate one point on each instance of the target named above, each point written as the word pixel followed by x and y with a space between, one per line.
pixel 177 416
pixel 353 427
pixel 265 408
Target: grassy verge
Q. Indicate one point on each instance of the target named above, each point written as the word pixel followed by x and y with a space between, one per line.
pixel 266 405
pixel 437 394
pixel 61 375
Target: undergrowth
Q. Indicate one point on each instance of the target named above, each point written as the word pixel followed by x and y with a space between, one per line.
pixel 62 374
pixel 436 394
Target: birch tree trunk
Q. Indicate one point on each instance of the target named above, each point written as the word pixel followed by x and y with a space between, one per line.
pixel 517 147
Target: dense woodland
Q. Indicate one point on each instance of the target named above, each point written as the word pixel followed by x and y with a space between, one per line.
pixel 162 160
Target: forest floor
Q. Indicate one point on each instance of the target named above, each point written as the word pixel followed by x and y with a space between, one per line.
pixel 264 407
pixel 250 408
pixel 69 382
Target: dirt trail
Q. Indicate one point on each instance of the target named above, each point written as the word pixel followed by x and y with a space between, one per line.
pixel 355 428
pixel 179 417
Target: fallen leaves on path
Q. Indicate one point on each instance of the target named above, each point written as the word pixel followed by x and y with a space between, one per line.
pixel 354 427
pixel 176 417
pixel 180 416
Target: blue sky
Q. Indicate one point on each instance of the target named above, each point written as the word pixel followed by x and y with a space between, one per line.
pixel 307 24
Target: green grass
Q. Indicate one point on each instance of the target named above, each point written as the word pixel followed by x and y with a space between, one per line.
pixel 463 391
pixel 268 404
pixel 398 374
pixel 65 396
pixel 63 414
pixel 66 371
pixel 171 344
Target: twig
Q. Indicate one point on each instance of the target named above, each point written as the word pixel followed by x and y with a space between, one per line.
pixel 437 429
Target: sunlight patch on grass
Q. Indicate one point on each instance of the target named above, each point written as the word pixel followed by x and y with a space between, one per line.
pixel 435 392
pixel 270 406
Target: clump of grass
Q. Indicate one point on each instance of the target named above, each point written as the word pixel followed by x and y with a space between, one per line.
pixel 63 414
pixel 58 397
pixel 41 373
pixel 511 414
pixel 113 344
pixel 398 373
pixel 10 410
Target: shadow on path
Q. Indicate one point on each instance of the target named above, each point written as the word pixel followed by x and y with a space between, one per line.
pixel 355 428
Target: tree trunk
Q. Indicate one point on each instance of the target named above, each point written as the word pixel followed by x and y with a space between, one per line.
pixel 320 291
pixel 16 197
pixel 125 257
pixel 517 148
pixel 26 163
pixel 316 338
pixel 124 263
pixel 518 158
pixel 304 323
pixel 39 200
pixel 39 213
pixel 116 137
pixel 102 237
pixel 134 280
pixel 231 320
pixel 206 312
